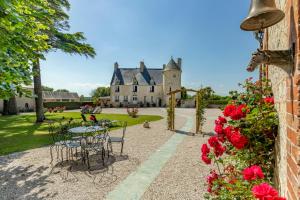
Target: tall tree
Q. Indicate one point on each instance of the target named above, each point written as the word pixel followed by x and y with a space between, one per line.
pixel 100 92
pixel 46 88
pixel 62 90
pixel 72 43
pixel 21 26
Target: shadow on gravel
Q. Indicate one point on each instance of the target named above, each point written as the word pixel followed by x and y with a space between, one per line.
pixel 24 183
pixel 208 134
pixel 185 133
pixel 101 175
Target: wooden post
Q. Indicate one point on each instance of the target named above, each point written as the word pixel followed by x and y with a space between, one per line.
pixel 173 111
pixel 197 115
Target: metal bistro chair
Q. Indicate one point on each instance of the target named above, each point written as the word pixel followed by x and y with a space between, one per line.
pixel 93 144
pixel 58 139
pixel 121 140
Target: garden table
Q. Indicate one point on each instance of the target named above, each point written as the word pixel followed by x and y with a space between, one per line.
pixel 86 129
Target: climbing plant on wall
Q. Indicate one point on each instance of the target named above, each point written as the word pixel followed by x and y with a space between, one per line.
pixel 243 148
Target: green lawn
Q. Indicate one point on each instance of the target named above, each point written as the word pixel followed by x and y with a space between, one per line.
pixel 19 133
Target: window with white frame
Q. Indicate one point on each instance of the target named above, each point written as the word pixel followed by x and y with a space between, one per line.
pixel 152 88
pixel 135 88
pixel 117 89
pixel 134 98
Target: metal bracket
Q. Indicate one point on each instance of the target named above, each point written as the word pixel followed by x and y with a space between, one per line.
pixel 279 58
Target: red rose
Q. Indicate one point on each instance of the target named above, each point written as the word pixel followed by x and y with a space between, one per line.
pixel 269 100
pixel 219 150
pixel 213 141
pixel 216 145
pixel 205 151
pixel 264 191
pixel 237 140
pixel 239 112
pixel 206 159
pixel 219 129
pixel 228 132
pixel 221 121
pixel 228 110
pixel 252 173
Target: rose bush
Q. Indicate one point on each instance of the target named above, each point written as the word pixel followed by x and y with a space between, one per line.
pixel 242 150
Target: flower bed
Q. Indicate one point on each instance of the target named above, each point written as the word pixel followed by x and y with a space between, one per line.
pixel 242 150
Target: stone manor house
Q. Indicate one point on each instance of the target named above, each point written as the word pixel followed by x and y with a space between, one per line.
pixel 145 86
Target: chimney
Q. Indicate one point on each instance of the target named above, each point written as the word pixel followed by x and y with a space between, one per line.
pixel 116 66
pixel 142 66
pixel 179 61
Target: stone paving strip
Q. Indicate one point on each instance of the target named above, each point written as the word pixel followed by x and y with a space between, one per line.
pixel 134 186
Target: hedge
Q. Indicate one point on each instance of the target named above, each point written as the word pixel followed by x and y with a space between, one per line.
pixel 68 105
pixel 217 102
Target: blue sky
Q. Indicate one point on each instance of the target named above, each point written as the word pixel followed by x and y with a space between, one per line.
pixel 205 34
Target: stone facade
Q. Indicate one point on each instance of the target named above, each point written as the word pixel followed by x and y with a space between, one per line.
pixel 145 86
pixel 285 84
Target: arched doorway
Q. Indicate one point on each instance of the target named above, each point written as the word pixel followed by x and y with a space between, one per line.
pixel 199 109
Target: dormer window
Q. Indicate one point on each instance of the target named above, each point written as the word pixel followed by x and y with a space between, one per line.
pixel 152 88
pixel 117 89
pixel 135 88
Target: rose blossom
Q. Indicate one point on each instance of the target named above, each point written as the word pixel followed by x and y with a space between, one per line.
pixel 264 191
pixel 219 129
pixel 205 151
pixel 206 159
pixel 216 145
pixel 269 100
pixel 237 140
pixel 239 112
pixel 228 110
pixel 220 121
pixel 252 173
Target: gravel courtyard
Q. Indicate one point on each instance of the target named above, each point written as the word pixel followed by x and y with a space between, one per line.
pixel 29 174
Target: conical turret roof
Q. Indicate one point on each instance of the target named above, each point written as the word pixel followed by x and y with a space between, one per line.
pixel 172 65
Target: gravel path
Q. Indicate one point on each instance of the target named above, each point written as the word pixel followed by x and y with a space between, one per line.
pixel 29 175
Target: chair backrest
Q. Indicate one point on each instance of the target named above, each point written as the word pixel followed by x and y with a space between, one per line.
pixel 124 129
pixel 83 117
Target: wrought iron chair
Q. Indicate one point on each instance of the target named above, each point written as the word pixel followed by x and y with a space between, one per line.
pixel 58 139
pixel 95 145
pixel 121 140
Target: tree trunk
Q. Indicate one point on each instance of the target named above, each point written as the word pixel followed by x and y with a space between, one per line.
pixel 39 109
pixel 5 107
pixel 12 106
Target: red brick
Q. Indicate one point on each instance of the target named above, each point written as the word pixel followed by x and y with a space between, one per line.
pixel 297 79
pixel 294 168
pixel 293 121
pixel 291 191
pixel 293 136
pixel 295 155
pixel 288 147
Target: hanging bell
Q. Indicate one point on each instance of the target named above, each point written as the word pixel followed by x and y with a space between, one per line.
pixel 262 14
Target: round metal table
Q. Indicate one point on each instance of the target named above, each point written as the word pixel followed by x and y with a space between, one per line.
pixel 86 129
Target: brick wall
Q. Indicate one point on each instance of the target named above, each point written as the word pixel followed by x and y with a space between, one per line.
pixel 286 88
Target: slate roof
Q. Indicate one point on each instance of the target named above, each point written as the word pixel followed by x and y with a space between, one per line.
pixel 127 76
pixel 60 95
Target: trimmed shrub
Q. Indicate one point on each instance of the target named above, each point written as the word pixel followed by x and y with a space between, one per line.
pixel 67 105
